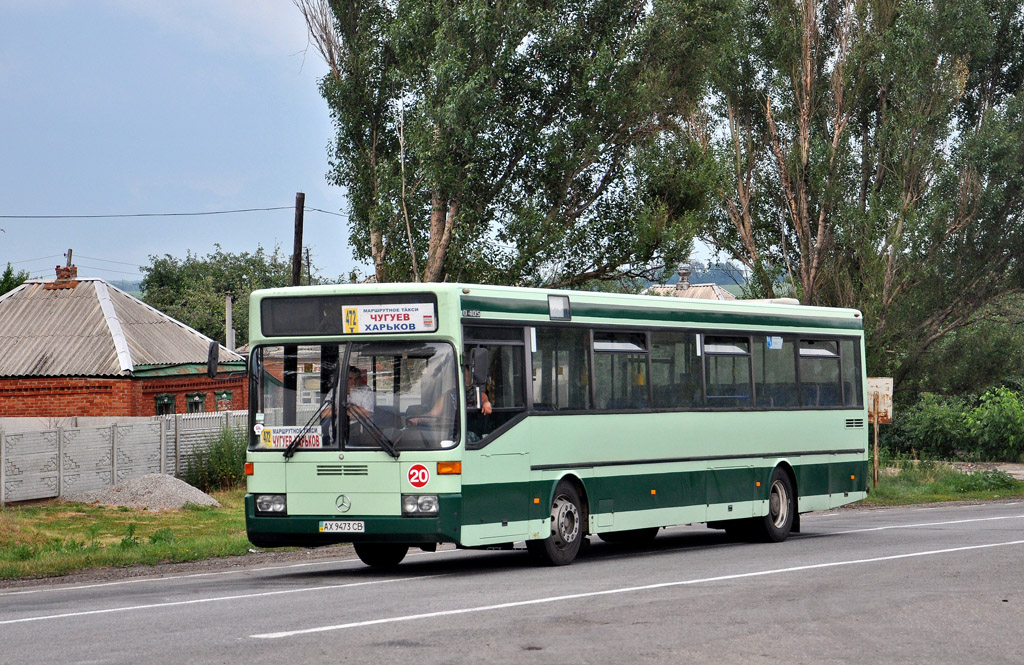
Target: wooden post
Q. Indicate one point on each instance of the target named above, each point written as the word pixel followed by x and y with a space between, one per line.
pixel 875 421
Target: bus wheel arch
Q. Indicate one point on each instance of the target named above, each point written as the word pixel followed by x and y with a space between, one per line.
pixel 778 523
pixel 569 519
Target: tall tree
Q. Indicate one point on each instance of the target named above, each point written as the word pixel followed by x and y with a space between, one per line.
pixel 192 290
pixel 516 141
pixel 879 160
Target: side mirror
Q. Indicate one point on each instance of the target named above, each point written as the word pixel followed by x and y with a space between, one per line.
pixel 478 361
pixel 212 356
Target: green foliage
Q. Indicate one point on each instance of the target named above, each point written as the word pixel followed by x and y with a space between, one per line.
pixel 192 290
pixel 219 465
pixel 997 425
pixel 979 356
pixel 10 280
pixel 989 428
pixel 129 539
pixel 935 427
pixel 871 155
pixel 162 536
pixel 519 142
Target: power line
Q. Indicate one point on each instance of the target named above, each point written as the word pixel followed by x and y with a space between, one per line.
pixel 93 258
pixel 167 214
pixel 149 214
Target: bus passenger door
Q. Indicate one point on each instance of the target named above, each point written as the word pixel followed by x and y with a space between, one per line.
pixel 495 496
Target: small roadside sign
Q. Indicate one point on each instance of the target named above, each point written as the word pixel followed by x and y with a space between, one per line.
pixel 879 409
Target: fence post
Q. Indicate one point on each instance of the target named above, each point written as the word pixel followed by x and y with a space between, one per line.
pixel 60 461
pixel 163 445
pixel 177 446
pixel 113 454
pixel 3 470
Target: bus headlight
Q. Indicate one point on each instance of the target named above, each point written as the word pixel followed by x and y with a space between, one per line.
pixel 419 505
pixel 274 504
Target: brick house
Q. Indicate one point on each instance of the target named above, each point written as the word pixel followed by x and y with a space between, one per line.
pixel 75 346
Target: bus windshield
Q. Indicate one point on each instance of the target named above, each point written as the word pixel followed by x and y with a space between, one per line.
pixel 354 395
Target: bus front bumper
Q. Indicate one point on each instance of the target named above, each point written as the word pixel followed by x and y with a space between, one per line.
pixel 305 530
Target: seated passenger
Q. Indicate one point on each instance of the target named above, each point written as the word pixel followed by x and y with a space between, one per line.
pixel 360 397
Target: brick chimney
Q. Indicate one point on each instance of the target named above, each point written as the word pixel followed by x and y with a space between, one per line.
pixel 684 277
pixel 67 276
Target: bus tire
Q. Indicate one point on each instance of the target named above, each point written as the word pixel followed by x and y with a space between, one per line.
pixel 776 525
pixel 381 555
pixel 631 537
pixel 562 546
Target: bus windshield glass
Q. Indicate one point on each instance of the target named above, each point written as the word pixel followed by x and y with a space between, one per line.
pixel 399 395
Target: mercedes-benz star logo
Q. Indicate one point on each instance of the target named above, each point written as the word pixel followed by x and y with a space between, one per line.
pixel 343 503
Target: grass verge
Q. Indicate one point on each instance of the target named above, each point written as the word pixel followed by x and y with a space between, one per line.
pixel 930 482
pixel 55 538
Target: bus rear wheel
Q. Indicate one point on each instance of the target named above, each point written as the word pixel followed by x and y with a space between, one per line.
pixel 562 546
pixel 381 555
pixel 776 525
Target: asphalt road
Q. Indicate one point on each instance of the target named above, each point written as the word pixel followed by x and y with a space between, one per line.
pixel 941 584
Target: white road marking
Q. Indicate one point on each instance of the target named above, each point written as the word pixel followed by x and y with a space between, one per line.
pixel 199 601
pixel 924 524
pixel 634 589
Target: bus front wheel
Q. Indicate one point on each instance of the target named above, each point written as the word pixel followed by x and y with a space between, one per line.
pixel 562 546
pixel 381 555
pixel 776 525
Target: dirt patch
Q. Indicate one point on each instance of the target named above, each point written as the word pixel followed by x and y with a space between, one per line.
pixel 1015 470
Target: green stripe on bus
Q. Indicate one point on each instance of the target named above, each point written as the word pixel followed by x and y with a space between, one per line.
pixel 643 315
pixel 498 502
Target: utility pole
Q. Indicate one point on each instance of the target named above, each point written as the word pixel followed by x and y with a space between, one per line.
pixel 229 327
pixel 300 207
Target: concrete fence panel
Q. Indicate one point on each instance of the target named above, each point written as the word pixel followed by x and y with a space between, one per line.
pixel 49 463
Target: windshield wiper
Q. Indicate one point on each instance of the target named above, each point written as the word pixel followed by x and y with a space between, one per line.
pixel 380 437
pixel 290 450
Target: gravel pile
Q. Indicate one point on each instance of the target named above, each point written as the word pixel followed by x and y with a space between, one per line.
pixel 153 491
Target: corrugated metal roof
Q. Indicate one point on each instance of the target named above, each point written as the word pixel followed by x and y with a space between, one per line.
pixel 65 332
pixel 698 291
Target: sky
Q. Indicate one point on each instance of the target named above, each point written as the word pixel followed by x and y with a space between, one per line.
pixel 127 107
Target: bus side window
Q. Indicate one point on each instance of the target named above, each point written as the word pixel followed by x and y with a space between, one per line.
pixel 561 369
pixel 775 371
pixel 675 370
pixel 728 371
pixel 819 373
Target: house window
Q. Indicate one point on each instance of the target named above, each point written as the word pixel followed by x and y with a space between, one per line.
pixel 196 402
pixel 224 399
pixel 165 405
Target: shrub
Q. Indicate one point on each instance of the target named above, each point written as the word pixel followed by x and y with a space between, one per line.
pixel 219 465
pixel 997 425
pixel 934 426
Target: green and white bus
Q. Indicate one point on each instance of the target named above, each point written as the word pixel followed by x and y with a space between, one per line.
pixel 605 414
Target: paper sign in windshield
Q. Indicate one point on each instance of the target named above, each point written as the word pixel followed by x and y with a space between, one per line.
pixel 281 437
pixel 418 317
